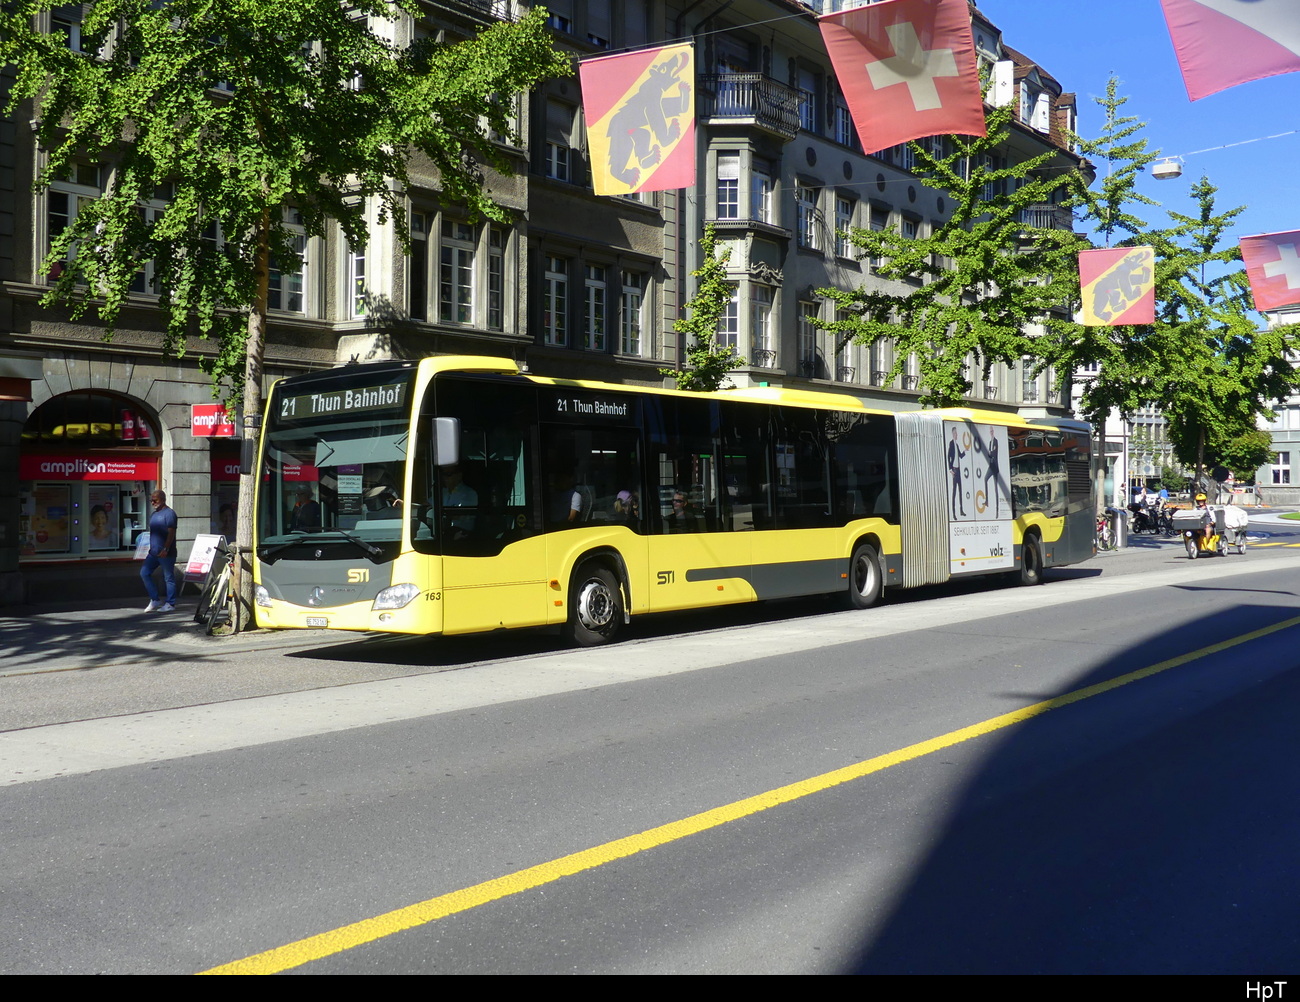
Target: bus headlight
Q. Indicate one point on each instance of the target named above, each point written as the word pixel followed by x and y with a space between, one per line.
pixel 262 597
pixel 395 597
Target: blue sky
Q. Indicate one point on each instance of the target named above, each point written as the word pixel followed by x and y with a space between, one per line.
pixel 1082 45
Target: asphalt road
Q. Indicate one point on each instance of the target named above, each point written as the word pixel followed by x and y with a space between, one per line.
pixel 281 787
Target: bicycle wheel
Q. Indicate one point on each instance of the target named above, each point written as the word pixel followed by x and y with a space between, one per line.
pixel 219 606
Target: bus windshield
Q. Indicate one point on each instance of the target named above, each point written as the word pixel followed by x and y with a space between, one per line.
pixel 334 462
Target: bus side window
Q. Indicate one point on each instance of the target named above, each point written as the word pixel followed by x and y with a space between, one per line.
pixel 683 439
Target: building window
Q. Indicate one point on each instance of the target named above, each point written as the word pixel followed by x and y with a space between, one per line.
pixel 909 228
pixel 807 339
pixel 728 186
pixel 729 322
pixel 496 292
pixel 805 198
pixel 760 318
pixel 555 301
pixel 843 223
pixel 456 273
pixel 845 133
pixel 1282 468
pixel 1028 384
pixel 808 100
pixel 67 197
pixel 285 287
pixel 630 313
pixel 559 141
pixel 62 25
pixel 760 196
pixel 879 222
pixel 358 295
pixel 594 308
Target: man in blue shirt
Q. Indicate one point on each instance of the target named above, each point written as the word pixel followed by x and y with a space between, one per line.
pixel 162 553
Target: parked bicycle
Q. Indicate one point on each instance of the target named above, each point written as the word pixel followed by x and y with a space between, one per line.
pixel 1105 535
pixel 219 603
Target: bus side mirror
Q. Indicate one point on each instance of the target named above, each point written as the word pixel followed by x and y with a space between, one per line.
pixel 446 441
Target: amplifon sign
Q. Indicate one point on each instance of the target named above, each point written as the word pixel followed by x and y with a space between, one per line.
pixel 211 421
pixel 225 470
pixel 86 468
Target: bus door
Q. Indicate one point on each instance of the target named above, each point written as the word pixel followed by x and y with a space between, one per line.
pixel 593 492
pixel 483 510
pixel 702 507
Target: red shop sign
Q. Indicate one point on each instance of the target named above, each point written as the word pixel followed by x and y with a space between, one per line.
pixel 87 468
pixel 211 421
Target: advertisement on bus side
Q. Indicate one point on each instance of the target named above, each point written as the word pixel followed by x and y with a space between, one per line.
pixel 979 498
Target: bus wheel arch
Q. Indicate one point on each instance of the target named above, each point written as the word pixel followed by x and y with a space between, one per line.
pixel 1031 559
pixel 866 579
pixel 598 600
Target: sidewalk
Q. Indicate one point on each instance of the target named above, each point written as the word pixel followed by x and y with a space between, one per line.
pixel 79 635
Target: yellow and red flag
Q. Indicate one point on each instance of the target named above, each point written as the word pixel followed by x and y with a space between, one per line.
pixel 1118 286
pixel 640 113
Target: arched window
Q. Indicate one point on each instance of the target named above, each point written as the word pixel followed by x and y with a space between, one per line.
pixel 90 419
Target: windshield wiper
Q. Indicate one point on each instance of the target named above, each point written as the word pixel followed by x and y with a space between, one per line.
pixel 266 553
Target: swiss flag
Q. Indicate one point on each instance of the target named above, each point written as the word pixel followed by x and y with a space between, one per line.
pixel 907 69
pixel 1222 43
pixel 1273 267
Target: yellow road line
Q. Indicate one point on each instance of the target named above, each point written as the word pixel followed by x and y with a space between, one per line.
pixel 327 944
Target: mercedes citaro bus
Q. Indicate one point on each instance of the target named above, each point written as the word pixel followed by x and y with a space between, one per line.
pixel 458 494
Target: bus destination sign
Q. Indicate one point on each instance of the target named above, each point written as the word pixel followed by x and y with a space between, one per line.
pixel 586 407
pixel 340 403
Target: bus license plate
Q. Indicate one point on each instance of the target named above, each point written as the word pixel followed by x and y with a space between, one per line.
pixel 319 621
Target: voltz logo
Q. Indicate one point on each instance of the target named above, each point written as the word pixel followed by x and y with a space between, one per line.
pixel 358 575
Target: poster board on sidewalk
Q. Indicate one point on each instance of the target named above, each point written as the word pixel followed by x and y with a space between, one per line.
pixel 202 553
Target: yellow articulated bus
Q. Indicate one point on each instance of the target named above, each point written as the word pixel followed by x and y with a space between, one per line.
pixel 458 495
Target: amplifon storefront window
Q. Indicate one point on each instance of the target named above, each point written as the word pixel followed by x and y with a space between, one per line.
pixel 87 465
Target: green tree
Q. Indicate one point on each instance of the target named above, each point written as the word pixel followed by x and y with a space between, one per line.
pixel 982 280
pixel 1122 150
pixel 709 363
pixel 1204 362
pixel 1243 454
pixel 235 113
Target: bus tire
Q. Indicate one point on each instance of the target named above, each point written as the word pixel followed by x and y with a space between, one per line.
pixel 1031 562
pixel 865 579
pixel 595 606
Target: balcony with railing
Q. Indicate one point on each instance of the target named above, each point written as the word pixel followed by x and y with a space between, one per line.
pixel 1045 216
pixel 763 358
pixel 753 98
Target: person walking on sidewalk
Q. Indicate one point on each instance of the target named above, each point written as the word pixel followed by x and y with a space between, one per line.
pixel 162 553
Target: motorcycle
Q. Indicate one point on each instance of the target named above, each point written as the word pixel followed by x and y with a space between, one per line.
pixel 1144 519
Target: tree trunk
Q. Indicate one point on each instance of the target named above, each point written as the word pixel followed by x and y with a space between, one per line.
pixel 253 406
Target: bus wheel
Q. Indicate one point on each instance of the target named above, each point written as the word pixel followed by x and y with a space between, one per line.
pixel 864 577
pixel 595 607
pixel 1031 562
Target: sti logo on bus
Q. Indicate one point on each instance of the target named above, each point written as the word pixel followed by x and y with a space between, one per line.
pixel 356 575
pixel 665 577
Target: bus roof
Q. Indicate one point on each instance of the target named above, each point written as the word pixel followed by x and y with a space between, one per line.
pixel 816 399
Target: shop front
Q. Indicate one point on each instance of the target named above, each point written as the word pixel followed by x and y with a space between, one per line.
pixel 87 464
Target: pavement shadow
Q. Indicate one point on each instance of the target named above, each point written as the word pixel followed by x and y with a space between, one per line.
pixel 98 634
pixel 1147 830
